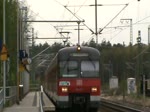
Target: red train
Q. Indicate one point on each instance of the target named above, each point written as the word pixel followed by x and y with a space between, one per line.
pixel 72 79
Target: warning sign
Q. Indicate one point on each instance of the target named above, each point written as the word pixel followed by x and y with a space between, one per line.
pixel 4 53
pixel 21 68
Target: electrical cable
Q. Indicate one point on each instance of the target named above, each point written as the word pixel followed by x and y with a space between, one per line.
pixel 113 18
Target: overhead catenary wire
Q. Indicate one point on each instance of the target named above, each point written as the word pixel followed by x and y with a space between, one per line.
pixel 100 5
pixel 65 6
pixel 113 18
pixel 136 23
pixel 105 5
pixel 79 19
pixel 75 12
pixel 50 25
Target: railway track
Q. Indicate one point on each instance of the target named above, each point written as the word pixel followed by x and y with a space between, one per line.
pixel 112 106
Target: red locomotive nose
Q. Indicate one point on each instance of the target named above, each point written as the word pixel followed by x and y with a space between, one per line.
pixel 80 86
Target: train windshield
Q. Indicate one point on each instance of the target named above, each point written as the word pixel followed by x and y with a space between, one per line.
pixel 86 68
pixel 90 68
pixel 68 68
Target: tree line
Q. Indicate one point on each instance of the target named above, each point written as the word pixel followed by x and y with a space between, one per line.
pixel 12 19
pixel 11 38
pixel 116 60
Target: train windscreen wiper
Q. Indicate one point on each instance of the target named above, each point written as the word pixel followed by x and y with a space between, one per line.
pixel 66 63
pixel 92 62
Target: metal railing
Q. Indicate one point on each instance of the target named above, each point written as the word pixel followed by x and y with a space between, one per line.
pixel 41 100
pixel 11 94
pixel 1 100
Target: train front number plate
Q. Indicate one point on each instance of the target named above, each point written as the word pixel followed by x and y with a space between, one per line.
pixel 64 83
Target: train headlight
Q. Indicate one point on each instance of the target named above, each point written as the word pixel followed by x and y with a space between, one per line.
pixel 78 48
pixel 94 89
pixel 64 89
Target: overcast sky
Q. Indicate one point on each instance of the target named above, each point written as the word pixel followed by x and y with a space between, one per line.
pixel 55 10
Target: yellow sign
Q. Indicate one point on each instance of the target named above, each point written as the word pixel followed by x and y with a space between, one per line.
pixel 4 49
pixel 4 53
pixel 21 68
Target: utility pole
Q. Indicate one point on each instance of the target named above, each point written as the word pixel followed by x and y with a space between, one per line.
pixel 138 61
pixel 33 74
pixel 96 22
pixel 149 35
pixel 131 30
pixel 143 92
pixel 22 22
pixel 4 42
pixel 18 19
pixel 78 33
pixel 32 37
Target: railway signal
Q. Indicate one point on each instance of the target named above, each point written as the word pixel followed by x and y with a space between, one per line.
pixel 139 37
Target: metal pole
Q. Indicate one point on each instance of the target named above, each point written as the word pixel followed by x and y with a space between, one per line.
pixel 149 35
pixel 144 92
pixel 4 42
pixel 131 32
pixel 20 28
pixel 96 22
pixel 32 37
pixel 78 33
pixel 24 26
pixel 18 16
pixel 20 48
pixel 33 74
pixel 138 60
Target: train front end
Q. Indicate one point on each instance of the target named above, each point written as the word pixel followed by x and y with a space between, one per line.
pixel 74 93
pixel 79 79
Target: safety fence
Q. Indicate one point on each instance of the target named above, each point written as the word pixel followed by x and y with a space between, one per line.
pixel 10 98
pixel 11 95
pixel 1 100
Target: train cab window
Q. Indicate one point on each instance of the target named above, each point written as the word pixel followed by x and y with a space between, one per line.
pixel 90 69
pixel 68 69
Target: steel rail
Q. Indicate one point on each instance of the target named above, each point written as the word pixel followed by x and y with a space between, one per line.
pixel 118 107
pixel 41 100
